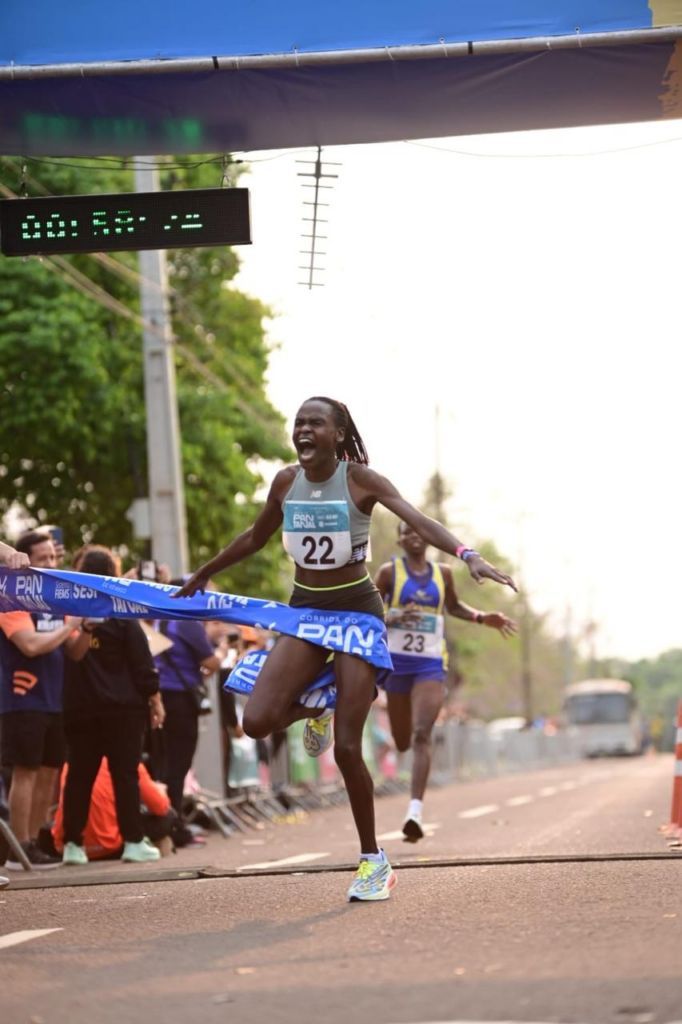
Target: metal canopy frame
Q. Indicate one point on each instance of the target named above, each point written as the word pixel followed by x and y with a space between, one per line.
pixel 296 58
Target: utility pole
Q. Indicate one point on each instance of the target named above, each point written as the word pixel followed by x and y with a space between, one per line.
pixel 525 635
pixel 568 646
pixel 526 666
pixel 166 492
pixel 439 487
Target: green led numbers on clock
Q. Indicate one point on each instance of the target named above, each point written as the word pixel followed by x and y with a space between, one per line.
pixel 127 221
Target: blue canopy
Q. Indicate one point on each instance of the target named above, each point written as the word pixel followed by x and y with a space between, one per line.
pixel 163 76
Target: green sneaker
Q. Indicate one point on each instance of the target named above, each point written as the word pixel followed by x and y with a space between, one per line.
pixel 318 735
pixel 74 854
pixel 140 853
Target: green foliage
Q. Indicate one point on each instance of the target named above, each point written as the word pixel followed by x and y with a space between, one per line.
pixel 72 415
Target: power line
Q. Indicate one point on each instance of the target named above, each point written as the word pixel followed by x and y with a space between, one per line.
pixel 87 287
pixel 539 156
pixel 125 164
pixel 108 301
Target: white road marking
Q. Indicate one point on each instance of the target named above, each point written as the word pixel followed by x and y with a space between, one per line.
pixel 519 801
pixel 548 791
pixel 478 812
pixel 399 834
pixel 16 938
pixel 492 1022
pixel 300 858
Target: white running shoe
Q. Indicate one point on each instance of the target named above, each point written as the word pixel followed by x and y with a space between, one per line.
pixel 413 830
pixel 373 881
pixel 318 734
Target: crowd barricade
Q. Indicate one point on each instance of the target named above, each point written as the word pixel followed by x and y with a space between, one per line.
pixel 673 830
pixel 264 788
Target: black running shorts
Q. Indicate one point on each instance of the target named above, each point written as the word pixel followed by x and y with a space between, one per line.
pixel 32 739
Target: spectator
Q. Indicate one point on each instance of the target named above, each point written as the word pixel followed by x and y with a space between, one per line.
pixel 110 688
pixel 31 681
pixel 102 835
pixel 181 669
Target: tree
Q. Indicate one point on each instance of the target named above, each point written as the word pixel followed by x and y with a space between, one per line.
pixel 72 416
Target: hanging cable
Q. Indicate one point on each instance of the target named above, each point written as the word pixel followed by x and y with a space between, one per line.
pixel 58 264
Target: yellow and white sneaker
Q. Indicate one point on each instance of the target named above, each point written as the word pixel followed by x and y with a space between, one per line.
pixel 373 881
pixel 318 734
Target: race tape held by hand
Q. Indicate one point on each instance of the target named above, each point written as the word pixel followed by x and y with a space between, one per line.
pixel 91 596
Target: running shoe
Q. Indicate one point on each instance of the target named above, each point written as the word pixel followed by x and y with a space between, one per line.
pixel 140 853
pixel 413 829
pixel 372 882
pixel 74 855
pixel 318 734
pixel 38 860
pixel 4 882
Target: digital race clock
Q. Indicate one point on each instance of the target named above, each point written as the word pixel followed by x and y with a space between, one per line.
pixel 127 220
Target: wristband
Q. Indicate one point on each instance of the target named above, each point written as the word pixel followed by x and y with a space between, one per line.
pixel 460 550
pixel 478 617
pixel 469 553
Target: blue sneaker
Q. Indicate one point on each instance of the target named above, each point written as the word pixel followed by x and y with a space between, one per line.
pixel 318 735
pixel 373 881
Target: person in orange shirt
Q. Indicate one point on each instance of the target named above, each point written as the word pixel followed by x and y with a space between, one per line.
pixel 32 646
pixel 101 836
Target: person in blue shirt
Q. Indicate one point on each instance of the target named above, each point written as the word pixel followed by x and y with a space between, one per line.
pixel 417 593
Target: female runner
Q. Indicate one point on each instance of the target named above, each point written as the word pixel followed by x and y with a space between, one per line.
pixel 324 504
pixel 417 592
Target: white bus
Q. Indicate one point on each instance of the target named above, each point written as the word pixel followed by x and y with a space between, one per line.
pixel 605 715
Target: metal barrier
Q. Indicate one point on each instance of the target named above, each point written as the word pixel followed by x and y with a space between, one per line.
pixel 462 751
pixel 292 782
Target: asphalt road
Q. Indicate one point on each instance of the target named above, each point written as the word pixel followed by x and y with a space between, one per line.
pixel 574 914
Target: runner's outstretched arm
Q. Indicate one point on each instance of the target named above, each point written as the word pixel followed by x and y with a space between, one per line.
pixel 268 520
pixel 380 489
pixel 457 608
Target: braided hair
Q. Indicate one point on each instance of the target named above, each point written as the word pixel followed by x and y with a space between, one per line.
pixel 352 448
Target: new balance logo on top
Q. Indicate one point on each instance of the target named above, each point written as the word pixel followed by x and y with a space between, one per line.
pixel 316 494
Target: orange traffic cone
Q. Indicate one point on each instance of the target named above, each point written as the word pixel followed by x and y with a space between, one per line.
pixel 674 829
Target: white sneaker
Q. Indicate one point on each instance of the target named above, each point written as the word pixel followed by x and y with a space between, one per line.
pixel 318 735
pixel 413 829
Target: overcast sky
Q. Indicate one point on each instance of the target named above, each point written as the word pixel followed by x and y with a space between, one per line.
pixel 533 295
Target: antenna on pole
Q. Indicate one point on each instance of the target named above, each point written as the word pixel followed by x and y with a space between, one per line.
pixel 318 173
